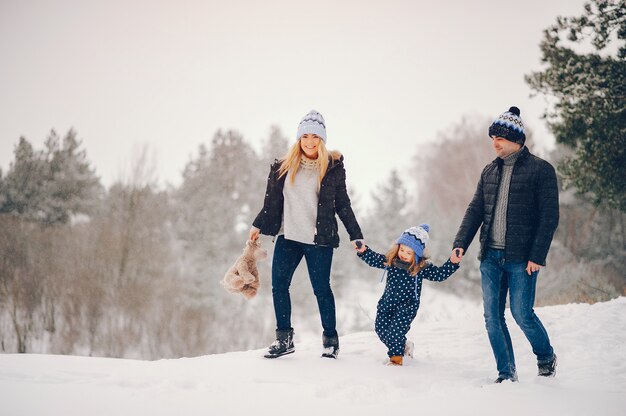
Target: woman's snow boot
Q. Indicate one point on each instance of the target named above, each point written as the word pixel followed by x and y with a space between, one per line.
pixel 283 344
pixel 331 346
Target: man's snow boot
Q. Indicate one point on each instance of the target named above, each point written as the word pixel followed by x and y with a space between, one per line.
pixel 331 346
pixel 512 379
pixel 500 380
pixel 547 369
pixel 283 344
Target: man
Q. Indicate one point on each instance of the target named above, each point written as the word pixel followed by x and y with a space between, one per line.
pixel 517 204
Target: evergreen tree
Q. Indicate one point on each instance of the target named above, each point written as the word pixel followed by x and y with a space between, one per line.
pixel 72 186
pixel 49 186
pixel 233 168
pixel 589 113
pixel 215 200
pixel 274 147
pixel 23 187
pixel 2 196
pixel 390 215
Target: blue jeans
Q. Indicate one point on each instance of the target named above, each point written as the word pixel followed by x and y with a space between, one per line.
pixel 498 278
pixel 287 256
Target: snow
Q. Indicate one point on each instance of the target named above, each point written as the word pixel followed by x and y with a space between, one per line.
pixel 451 374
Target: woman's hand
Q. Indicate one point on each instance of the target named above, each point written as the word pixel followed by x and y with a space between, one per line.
pixel 254 233
pixel 359 246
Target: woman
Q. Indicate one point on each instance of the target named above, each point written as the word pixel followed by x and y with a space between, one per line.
pixel 304 192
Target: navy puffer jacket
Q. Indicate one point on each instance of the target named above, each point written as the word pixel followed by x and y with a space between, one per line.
pixel 532 212
pixel 333 199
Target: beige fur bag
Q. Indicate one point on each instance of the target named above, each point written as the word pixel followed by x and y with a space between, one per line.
pixel 243 276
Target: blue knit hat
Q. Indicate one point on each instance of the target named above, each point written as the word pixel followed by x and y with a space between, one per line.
pixel 312 123
pixel 509 126
pixel 415 238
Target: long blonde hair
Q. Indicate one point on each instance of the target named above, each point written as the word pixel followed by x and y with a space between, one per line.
pixel 414 268
pixel 291 161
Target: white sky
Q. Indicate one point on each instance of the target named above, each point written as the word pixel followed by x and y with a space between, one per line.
pixel 387 75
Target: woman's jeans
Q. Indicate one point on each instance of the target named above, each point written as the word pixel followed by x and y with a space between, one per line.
pixel 287 256
pixel 498 278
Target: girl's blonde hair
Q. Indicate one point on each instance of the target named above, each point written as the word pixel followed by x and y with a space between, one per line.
pixel 291 161
pixel 414 268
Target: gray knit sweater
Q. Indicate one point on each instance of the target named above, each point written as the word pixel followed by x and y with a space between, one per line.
pixel 497 234
pixel 301 199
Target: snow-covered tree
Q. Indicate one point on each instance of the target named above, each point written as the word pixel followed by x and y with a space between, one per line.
pixel 392 212
pixel 588 91
pixel 220 190
pixel 72 186
pixel 23 186
pixel 52 185
pixel 274 147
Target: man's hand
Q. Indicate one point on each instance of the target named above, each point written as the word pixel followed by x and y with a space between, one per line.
pixel 457 255
pixel 532 267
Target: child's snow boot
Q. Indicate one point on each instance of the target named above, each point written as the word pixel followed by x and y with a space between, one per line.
pixel 548 369
pixel 331 346
pixel 283 344
pixel 408 348
pixel 395 360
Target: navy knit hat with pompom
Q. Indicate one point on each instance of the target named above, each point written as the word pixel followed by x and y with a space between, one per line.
pixel 415 238
pixel 509 126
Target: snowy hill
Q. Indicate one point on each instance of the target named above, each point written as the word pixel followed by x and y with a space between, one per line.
pixel 450 375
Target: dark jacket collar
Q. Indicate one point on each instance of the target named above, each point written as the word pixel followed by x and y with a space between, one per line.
pixel 524 152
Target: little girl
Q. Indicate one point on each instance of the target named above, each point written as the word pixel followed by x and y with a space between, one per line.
pixel 406 266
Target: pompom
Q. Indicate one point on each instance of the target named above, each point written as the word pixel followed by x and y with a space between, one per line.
pixel 514 110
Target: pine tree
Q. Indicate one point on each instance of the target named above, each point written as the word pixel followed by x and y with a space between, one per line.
pixel 49 186
pixel 220 190
pixel 274 147
pixel 72 186
pixel 589 91
pixel 390 215
pixel 2 196
pixel 23 186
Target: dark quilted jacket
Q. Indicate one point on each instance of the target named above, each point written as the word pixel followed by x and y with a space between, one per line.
pixel 333 200
pixel 532 212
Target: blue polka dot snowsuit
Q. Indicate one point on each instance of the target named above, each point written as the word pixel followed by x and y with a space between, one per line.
pixel 399 303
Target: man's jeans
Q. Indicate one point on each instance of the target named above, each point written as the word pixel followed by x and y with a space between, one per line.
pixel 287 256
pixel 498 278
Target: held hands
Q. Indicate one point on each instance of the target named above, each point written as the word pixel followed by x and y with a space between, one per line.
pixel 254 233
pixel 359 245
pixel 457 255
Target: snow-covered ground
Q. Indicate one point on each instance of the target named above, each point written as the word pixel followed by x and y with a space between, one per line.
pixel 450 375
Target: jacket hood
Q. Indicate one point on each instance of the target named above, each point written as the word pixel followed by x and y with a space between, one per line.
pixel 335 159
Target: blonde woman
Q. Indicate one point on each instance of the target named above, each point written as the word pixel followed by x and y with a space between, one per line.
pixel 305 189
